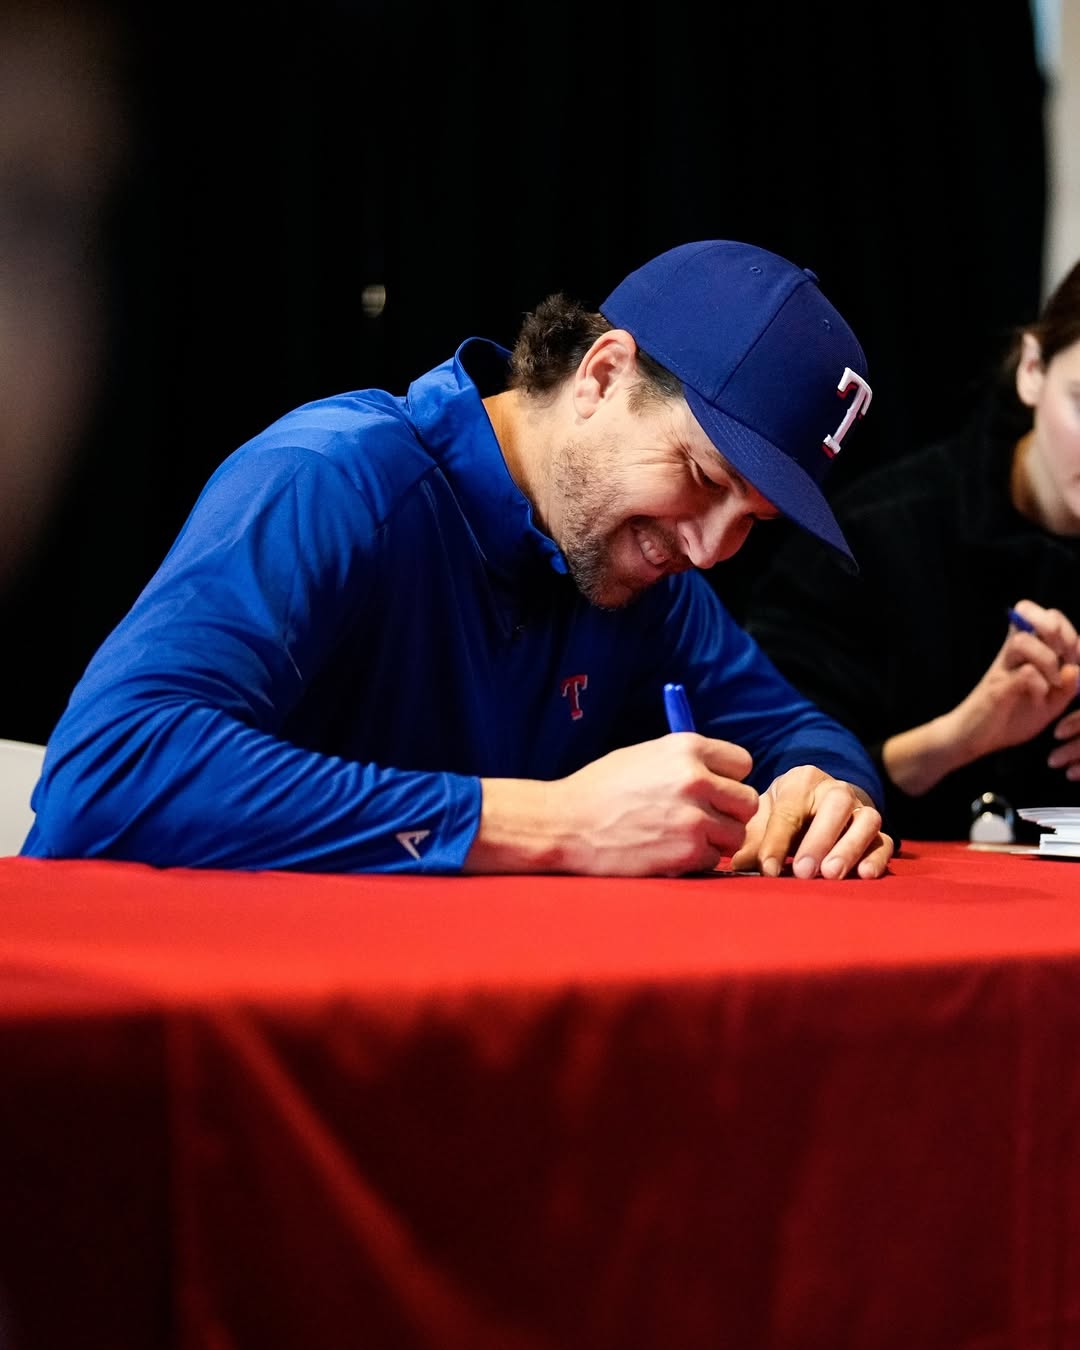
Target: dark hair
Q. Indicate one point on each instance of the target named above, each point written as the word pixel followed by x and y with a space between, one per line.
pixel 552 341
pixel 1057 327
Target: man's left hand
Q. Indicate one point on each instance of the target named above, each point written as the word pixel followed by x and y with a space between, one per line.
pixel 828 827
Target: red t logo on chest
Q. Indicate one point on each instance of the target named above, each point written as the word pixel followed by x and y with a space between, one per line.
pixel 571 688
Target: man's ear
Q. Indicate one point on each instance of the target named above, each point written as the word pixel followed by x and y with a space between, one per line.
pixel 608 364
pixel 1030 371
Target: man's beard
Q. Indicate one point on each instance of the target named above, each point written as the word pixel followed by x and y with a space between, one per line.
pixel 589 567
pixel 581 479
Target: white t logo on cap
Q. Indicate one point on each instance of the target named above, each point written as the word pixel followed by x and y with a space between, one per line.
pixel 857 408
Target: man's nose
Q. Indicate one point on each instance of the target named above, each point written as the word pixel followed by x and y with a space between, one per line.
pixel 715 535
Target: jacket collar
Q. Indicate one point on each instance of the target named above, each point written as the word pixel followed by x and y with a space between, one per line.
pixel 447 409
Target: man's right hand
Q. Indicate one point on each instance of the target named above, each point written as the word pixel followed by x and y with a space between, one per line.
pixel 662 808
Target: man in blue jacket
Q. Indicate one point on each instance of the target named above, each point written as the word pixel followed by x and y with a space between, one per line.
pixel 430 633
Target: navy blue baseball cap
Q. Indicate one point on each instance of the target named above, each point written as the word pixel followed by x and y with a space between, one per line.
pixel 770 369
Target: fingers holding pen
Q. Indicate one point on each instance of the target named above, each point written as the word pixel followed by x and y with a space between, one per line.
pixel 713 778
pixel 707 803
pixel 1055 628
pixel 716 770
pixel 1047 639
pixel 1026 688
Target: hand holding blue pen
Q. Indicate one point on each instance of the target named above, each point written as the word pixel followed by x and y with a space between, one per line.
pixel 1026 626
pixel 677 708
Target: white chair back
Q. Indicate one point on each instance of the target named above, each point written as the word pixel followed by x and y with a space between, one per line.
pixel 20 767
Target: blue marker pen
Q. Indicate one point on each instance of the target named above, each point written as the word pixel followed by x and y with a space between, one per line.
pixel 1018 621
pixel 680 718
pixel 677 708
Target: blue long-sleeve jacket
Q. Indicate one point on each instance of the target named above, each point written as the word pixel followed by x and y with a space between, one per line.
pixel 356 623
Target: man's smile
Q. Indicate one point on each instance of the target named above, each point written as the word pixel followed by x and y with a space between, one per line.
pixel 657 551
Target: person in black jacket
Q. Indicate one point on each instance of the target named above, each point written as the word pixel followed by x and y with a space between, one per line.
pixel 953 654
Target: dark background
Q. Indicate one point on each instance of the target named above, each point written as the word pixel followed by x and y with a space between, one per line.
pixel 471 159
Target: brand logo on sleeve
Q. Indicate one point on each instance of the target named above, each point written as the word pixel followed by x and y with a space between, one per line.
pixel 408 839
pixel 572 688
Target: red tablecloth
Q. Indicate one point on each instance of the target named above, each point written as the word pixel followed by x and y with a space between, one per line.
pixel 270 1110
